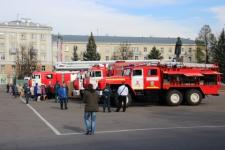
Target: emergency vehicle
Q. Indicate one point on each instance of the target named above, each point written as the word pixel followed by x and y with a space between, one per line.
pixel 172 82
pixel 49 78
pixel 103 69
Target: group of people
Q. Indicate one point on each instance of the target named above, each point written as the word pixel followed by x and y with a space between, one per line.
pixel 12 89
pixel 91 100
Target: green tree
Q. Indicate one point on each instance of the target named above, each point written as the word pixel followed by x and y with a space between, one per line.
pixel 200 55
pixel 218 52
pixel 75 56
pixel 207 37
pixel 154 54
pixel 91 53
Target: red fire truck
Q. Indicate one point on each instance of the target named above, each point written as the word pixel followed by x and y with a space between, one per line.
pixel 172 82
pixel 100 71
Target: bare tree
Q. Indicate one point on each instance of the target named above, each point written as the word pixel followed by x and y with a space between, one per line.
pixel 26 61
pixel 207 37
pixel 124 52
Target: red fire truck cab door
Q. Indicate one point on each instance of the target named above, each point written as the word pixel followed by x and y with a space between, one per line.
pixel 137 81
pixel 152 78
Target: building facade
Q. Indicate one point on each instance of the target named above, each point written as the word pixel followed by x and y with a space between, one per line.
pixel 109 47
pixel 53 48
pixel 23 33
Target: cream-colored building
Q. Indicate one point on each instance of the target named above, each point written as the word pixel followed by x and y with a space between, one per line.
pixel 15 34
pixel 23 33
pixel 108 46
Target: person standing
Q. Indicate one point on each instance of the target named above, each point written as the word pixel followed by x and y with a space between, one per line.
pixel 56 88
pixel 26 92
pixel 122 96
pixel 91 100
pixel 35 91
pixel 62 95
pixel 38 93
pixel 106 97
pixel 67 91
pixel 7 88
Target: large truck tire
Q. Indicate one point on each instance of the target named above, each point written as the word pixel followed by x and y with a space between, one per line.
pixel 174 97
pixel 193 97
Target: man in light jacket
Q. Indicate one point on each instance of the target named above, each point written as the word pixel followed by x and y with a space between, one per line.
pixel 122 96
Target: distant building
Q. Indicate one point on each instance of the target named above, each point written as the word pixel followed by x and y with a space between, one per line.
pixel 108 47
pixel 14 35
pixel 52 48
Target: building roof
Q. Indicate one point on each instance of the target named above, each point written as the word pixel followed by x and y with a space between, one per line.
pixel 24 23
pixel 121 39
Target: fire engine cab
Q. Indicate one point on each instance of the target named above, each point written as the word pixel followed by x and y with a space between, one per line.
pixel 172 82
pixel 101 70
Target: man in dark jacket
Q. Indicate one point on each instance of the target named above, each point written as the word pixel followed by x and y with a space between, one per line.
pixel 91 107
pixel 26 92
pixel 106 97
pixel 36 91
pixel 56 88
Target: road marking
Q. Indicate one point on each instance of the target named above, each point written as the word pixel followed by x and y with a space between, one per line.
pixel 118 131
pixel 150 129
pixel 42 118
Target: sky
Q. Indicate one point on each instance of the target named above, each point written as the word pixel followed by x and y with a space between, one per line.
pixel 145 18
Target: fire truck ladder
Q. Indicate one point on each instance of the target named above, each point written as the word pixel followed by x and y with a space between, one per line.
pixel 84 65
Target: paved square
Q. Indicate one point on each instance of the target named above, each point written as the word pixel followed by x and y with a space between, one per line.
pixel 44 125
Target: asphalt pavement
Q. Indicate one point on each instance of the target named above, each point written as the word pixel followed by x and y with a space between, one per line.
pixel 42 125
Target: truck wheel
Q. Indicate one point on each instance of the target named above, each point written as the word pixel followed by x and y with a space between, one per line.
pixel 174 98
pixel 193 97
pixel 128 101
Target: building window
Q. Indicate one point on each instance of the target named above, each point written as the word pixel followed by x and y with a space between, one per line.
pixel 136 57
pixel 43 47
pixel 170 50
pixel 2 56
pixel 145 58
pixel 2 47
pixel 190 50
pixel 2 35
pixel 67 58
pixel 43 37
pixel 43 68
pixel 135 49
pixel 2 68
pixel 66 49
pixel 182 49
pixel 106 57
pixel 162 50
pixel 34 36
pixel 23 36
pixel 189 59
pixel 13 68
pixel 145 49
pixel 43 57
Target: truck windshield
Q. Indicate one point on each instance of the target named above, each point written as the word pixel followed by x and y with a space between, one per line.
pixel 96 74
pixel 35 76
pixel 127 72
